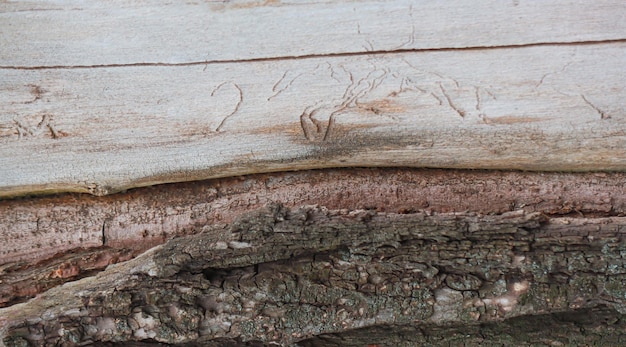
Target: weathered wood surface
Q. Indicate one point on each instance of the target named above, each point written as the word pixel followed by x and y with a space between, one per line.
pixel 99 97
pixel 283 276
pixel 77 33
pixel 103 130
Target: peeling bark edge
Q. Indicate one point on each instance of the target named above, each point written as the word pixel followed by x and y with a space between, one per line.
pixel 281 275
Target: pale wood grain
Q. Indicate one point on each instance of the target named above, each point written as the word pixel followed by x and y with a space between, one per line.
pixel 73 32
pixel 103 96
pixel 100 130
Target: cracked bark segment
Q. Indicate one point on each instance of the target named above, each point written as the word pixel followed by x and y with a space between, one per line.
pixel 102 130
pixel 74 33
pixel 117 227
pixel 289 274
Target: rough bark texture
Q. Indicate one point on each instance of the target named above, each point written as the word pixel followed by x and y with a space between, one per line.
pixel 50 240
pixel 470 267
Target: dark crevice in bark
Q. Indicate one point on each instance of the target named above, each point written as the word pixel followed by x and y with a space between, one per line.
pixel 598 326
pixel 216 343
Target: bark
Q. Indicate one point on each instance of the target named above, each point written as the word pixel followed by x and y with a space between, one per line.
pixel 313 276
pixel 47 241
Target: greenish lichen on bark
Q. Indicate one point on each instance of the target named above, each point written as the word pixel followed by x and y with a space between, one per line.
pixel 309 275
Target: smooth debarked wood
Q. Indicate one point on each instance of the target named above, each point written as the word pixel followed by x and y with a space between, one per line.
pixel 101 130
pixel 79 33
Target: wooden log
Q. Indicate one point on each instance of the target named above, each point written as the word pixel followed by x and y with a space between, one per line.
pixel 108 129
pixel 100 97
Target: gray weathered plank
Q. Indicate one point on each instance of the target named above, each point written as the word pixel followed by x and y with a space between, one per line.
pixel 100 130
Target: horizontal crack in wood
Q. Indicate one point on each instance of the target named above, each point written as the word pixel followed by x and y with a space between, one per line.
pixel 313 56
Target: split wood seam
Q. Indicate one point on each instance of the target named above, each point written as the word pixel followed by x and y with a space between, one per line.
pixel 103 96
